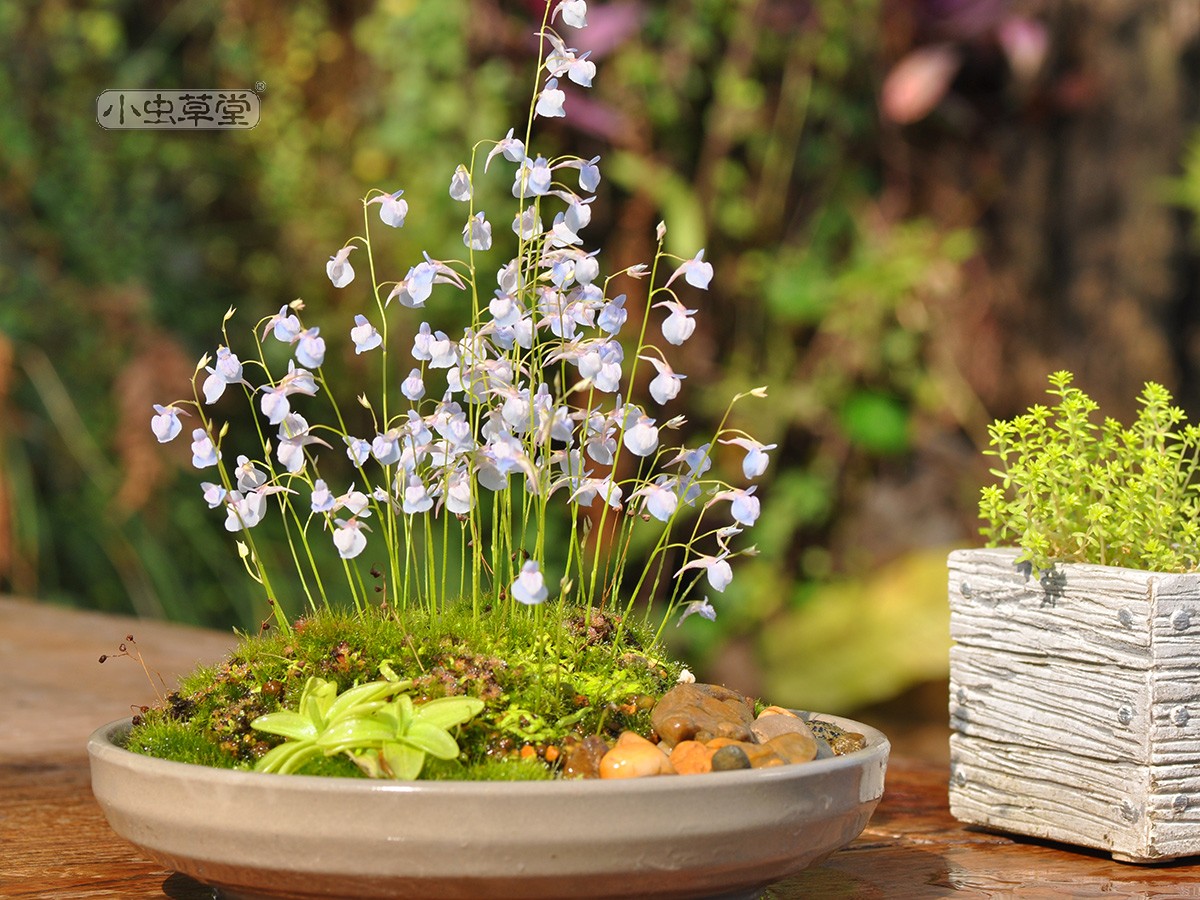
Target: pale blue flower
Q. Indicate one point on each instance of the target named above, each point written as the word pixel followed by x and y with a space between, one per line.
pixel 716 568
pixel 274 405
pixel 204 452
pixel 504 310
pixel 459 499
pixel 165 423
pixel 358 450
pixel 227 370
pixel 527 224
pixel 364 335
pixel 285 325
pixel 550 101
pixel 512 148
pixel 696 272
pixel 413 387
pixel 589 175
pixel 416 497
pixel 214 494
pixel 703 607
pixel 756 460
pixel 339 270
pixel 244 510
pixel 642 438
pixel 477 233
pixel 533 178
pixel 392 209
pixel 322 497
pixel 530 587
pixel 587 269
pixel 442 351
pixel 665 385
pixel 460 184
pixel 421 341
pixel 348 537
pixel 743 505
pixel 310 348
pixel 293 437
pixel 679 324
pixel 574 13
pixel 386 447
pixel 608 491
pixel 354 501
pixel 249 476
pixel 612 315
pixel 659 501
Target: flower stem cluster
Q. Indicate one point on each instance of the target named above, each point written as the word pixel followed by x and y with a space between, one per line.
pixel 509 462
pixel 1072 490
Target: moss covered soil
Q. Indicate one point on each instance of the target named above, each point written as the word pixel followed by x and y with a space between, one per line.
pixel 546 682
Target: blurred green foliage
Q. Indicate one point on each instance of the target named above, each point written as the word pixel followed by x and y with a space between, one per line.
pixel 749 126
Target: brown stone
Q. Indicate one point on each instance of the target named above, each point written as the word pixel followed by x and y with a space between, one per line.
pixel 689 709
pixel 582 760
pixel 772 724
pixel 793 746
pixel 692 758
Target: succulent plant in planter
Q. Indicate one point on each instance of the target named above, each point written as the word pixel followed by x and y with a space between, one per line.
pixel 462 521
pixel 1074 700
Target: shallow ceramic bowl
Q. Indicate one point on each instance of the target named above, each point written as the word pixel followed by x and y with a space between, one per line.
pixel 253 835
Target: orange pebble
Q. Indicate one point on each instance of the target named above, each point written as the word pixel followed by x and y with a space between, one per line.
pixel 692 758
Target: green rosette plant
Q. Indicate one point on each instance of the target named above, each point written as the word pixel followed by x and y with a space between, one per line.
pixel 512 467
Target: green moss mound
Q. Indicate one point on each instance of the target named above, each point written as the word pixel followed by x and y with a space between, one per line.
pixel 542 679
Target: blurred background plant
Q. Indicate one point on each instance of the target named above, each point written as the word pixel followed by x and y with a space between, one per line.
pixel 915 209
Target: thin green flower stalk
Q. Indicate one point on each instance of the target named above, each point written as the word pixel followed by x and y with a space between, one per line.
pixel 1070 489
pixel 532 427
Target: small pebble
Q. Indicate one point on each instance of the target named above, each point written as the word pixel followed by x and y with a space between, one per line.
pixel 583 759
pixel 692 758
pixel 730 757
pixel 634 757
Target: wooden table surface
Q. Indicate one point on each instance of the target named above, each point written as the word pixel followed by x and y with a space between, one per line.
pixel 54 841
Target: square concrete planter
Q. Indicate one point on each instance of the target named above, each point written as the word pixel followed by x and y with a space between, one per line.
pixel 1075 704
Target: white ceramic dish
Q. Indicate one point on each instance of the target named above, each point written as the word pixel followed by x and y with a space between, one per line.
pixel 288 836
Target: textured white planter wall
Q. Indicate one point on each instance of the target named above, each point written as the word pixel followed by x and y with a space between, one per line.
pixel 1075 704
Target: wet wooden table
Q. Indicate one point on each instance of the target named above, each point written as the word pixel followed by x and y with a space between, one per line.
pixel 54 841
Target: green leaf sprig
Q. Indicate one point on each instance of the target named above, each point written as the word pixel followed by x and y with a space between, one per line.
pixel 1072 490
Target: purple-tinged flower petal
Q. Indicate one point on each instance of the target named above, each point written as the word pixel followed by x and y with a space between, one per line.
pixel 413 387
pixel 679 324
pixel 358 450
pixel 696 272
pixel 642 438
pixel 574 13
pixel 477 233
pixel 512 148
pixel 530 587
pixel 460 184
pixel 204 452
pixel 348 538
pixel 285 325
pixel 364 335
pixel 322 497
pixel 339 270
pixel 214 494
pixel 310 348
pixel 392 210
pixel 702 607
pixel 165 423
pixel 550 101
